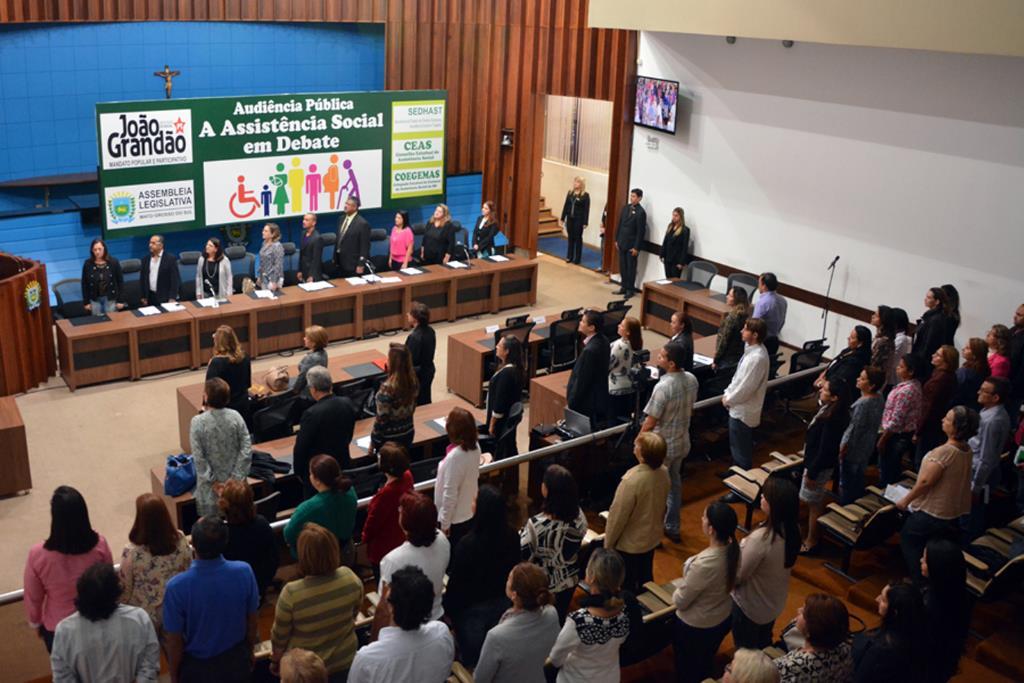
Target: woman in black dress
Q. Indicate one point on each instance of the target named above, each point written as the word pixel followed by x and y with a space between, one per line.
pixel 574 217
pixel 439 240
pixel 506 386
pixel 486 230
pixel 230 363
pixel 676 246
pixel 102 282
pixel 422 343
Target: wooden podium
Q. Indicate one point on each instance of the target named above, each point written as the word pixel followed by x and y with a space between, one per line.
pixel 27 357
pixel 14 472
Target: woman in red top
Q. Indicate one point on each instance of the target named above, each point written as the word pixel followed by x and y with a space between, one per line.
pixel 936 395
pixel 998 339
pixel 381 532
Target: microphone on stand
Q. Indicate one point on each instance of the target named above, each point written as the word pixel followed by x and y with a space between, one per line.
pixel 468 255
pixel 213 294
pixel 369 266
pixel 833 264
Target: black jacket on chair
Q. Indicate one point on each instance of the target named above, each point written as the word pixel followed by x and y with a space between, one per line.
pixel 587 392
pixel 311 256
pixel 484 234
pixel 352 245
pixel 422 342
pixel 325 427
pixel 168 280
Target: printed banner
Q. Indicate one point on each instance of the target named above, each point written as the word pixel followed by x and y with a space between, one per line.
pixel 249 159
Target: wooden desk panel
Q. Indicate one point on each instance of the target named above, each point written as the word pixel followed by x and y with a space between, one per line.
pixel 659 301
pixel 383 308
pixel 516 285
pixel 15 474
pixel 95 353
pixel 436 294
pixel 335 313
pixel 474 293
pixel 281 326
pixel 164 342
pixel 238 314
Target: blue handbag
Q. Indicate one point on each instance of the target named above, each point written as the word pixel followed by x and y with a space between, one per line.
pixel 180 475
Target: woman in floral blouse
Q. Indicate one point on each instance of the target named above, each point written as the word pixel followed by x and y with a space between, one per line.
pixel 271 273
pixel 156 551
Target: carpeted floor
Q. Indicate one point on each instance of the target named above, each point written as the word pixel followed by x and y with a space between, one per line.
pixel 557 245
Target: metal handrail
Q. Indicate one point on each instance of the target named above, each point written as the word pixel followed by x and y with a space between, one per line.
pixel 18 595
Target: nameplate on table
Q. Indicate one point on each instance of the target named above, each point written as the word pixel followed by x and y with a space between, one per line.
pixel 390 280
pixel 411 271
pixel 363 442
pixel 263 294
pixel 355 281
pixel 172 306
pixel 455 265
pixel 491 329
pixel 538 320
pixel 211 302
pixel 315 286
pixel 666 281
pixel 150 310
pixel 497 258
pixel 702 359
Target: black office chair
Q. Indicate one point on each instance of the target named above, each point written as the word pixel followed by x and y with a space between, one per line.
pixel 424 470
pixel 291 264
pixel 616 305
pixel 771 346
pixel 563 345
pixel 366 480
pixel 808 357
pixel 612 318
pixel 702 272
pixel 745 281
pixel 188 262
pixel 572 313
pixel 379 249
pixel 276 420
pixel 243 265
pixel 418 230
pixel 327 240
pixel 69 298
pixel 131 269
pixel 517 320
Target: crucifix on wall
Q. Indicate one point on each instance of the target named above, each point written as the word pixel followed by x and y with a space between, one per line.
pixel 167 75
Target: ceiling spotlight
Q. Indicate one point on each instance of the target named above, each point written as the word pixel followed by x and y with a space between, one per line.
pixel 787 43
pixel 731 40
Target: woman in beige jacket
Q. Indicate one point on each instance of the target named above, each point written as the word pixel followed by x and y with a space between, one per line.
pixel 702 600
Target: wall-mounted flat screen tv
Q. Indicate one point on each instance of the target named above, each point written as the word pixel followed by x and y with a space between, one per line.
pixel 656 103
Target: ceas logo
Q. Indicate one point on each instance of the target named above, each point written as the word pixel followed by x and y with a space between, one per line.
pixel 33 295
pixel 121 207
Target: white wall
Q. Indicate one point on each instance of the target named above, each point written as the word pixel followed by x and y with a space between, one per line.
pixel 556 181
pixel 907 164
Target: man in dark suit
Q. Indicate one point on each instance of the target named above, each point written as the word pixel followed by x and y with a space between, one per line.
pixel 310 250
pixel 353 243
pixel 629 237
pixel 587 393
pixel 326 427
pixel 159 277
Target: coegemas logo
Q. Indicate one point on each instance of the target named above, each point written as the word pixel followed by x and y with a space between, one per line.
pixel 146 138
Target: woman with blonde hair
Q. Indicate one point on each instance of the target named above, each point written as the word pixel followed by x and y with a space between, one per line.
pixel 317 612
pixel 676 245
pixel 438 244
pixel 271 272
pixel 396 401
pixel 574 218
pixel 230 364
pixel 750 666
pixel 587 648
pixel 623 358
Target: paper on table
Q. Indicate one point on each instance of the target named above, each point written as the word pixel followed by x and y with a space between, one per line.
pixel 491 329
pixel 498 257
pixel 355 281
pixel 364 442
pixel 209 302
pixel 457 264
pixel 663 282
pixel 390 279
pixel 173 306
pixel 701 358
pixel 412 271
pixel 149 310
pixel 370 277
pixel 315 286
pixel 441 422
pixel 895 492
pixel 538 319
pixel 264 294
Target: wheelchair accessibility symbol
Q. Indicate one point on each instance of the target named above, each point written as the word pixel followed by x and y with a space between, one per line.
pixel 243 198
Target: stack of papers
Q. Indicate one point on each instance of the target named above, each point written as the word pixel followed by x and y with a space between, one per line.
pixel 895 493
pixel 390 279
pixel 355 281
pixel 702 359
pixel 149 310
pixel 370 277
pixel 441 422
pixel 412 271
pixel 457 264
pixel 497 257
pixel 264 294
pixel 173 306
pixel 315 286
pixel 209 302
pixel 364 442
pixel 663 282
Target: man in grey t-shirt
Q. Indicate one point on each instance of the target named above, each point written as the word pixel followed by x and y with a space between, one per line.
pixel 668 414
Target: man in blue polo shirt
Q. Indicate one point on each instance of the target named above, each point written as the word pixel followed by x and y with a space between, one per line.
pixel 210 612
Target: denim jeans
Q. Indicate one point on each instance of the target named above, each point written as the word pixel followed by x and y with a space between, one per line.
pixel 675 493
pixel 741 443
pixel 915 534
pixel 851 481
pixel 102 306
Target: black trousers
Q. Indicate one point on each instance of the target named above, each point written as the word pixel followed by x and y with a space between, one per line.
pixel 695 649
pixel 919 528
pixel 231 666
pixel 562 601
pixel 672 269
pixel 425 379
pixel 574 252
pixel 627 269
pixel 639 570
pixel 749 634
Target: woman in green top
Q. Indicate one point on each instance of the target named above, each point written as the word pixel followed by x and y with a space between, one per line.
pixel 333 507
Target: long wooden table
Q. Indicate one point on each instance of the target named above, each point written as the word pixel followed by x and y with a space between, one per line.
pixel 661 299
pixel 346 368
pixel 468 353
pixel 129 347
pixel 428 435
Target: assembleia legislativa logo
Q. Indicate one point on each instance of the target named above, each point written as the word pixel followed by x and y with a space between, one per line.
pixel 121 207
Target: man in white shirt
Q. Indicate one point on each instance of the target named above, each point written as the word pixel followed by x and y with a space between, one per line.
pixel 104 641
pixel 159 276
pixel 668 414
pixel 744 397
pixel 411 648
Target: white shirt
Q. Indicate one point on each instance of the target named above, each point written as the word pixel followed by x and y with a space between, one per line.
pixel 455 490
pixel 122 647
pixel 587 648
pixel 745 393
pixel 154 270
pixel 421 656
pixel 433 560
